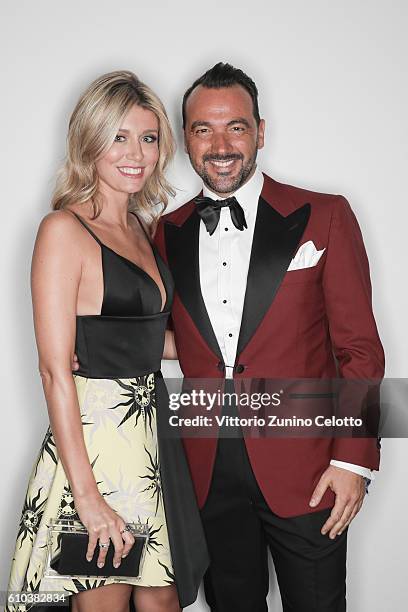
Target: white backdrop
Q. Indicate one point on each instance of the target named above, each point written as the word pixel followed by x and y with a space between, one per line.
pixel 332 81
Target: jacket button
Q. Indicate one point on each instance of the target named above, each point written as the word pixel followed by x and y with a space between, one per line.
pixel 239 368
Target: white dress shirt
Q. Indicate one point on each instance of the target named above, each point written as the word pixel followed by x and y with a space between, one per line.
pixel 224 262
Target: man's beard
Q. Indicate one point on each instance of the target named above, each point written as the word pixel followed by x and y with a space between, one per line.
pixel 236 182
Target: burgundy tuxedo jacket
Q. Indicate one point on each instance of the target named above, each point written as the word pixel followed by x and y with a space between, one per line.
pixel 314 322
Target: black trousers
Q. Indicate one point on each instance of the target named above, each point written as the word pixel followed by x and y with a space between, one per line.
pixel 240 527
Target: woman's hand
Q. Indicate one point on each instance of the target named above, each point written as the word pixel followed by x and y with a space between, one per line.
pixel 103 524
pixel 75 363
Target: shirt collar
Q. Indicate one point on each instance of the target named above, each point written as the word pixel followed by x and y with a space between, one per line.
pixel 246 195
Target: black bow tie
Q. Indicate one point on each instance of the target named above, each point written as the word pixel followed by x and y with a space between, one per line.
pixel 210 210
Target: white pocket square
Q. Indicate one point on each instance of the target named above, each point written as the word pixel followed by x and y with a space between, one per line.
pixel 307 256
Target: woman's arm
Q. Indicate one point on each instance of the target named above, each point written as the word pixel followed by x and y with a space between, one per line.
pixel 55 277
pixel 56 274
pixel 170 351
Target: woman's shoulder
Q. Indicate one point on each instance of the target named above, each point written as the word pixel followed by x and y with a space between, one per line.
pixel 59 231
pixel 59 224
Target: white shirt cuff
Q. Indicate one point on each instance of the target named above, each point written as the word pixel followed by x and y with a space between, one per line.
pixel 357 469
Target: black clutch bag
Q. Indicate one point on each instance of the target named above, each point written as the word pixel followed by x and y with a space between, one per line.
pixel 67 546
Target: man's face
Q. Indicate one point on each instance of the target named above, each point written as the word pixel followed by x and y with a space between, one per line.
pixel 222 137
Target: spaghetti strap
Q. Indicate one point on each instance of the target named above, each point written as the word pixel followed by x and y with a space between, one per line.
pixel 87 228
pixel 142 226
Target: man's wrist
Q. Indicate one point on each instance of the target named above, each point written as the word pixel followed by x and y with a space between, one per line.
pixel 352 467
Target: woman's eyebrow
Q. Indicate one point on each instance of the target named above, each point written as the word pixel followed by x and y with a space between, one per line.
pixel 144 131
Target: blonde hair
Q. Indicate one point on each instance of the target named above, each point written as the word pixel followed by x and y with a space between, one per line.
pixel 92 128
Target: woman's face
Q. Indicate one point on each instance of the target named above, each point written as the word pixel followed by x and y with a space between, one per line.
pixel 133 155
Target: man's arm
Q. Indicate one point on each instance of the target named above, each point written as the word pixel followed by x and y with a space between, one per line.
pixel 352 327
pixel 359 354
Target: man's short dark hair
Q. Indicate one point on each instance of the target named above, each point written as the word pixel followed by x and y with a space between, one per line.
pixel 225 75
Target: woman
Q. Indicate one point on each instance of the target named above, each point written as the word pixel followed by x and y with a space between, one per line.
pixel 100 289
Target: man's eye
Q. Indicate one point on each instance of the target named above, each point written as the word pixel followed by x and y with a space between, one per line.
pixel 237 128
pixel 202 131
pixel 119 138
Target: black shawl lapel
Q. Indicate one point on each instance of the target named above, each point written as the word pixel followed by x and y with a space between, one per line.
pixel 182 247
pixel 274 244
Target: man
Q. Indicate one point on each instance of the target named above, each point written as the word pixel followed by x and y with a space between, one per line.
pixel 246 308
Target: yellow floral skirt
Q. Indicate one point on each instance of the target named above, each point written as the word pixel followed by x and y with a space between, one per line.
pixel 120 432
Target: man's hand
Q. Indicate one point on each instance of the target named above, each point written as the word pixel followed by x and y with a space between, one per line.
pixel 75 364
pixel 349 489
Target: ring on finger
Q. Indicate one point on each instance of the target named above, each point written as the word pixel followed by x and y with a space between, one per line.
pixel 104 544
pixel 127 527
